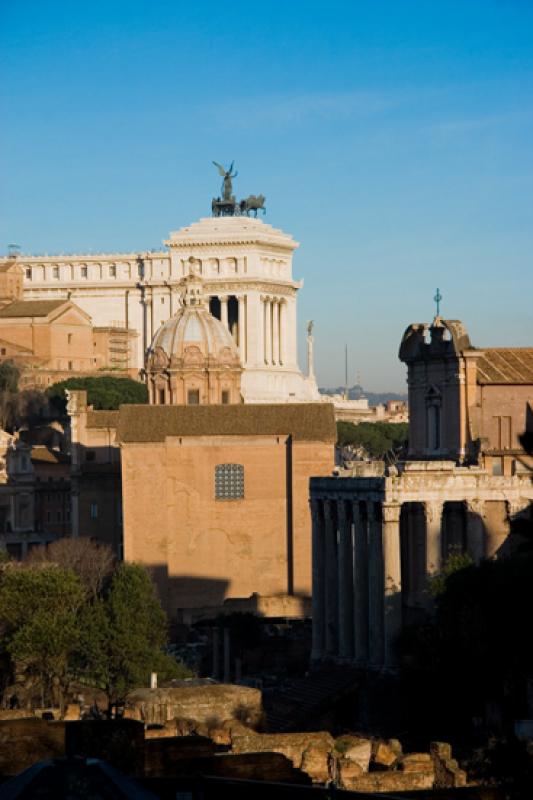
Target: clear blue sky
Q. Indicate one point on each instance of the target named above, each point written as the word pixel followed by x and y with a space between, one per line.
pixel 393 139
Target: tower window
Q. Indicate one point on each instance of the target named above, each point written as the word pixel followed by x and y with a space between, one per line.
pixel 28 273
pixel 193 397
pixel 225 398
pixel 84 272
pixel 112 271
pixel 229 482
pixel 55 272
pixel 161 397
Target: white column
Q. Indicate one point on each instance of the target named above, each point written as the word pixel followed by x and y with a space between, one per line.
pixel 346 585
pixel 392 580
pixel 224 311
pixel 360 579
pixel 275 331
pixel 433 512
pixel 243 324
pixel 268 331
pixel 318 597
pixel 475 530
pixel 282 332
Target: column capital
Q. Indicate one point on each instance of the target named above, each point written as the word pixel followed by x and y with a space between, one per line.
pixel 475 506
pixel 433 510
pixel 391 512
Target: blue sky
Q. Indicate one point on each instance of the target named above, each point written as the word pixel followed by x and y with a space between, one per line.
pixel 394 140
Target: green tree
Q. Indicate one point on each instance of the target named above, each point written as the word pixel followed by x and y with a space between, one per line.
pixel 105 393
pixel 9 377
pixel 123 635
pixel 39 610
pixel 377 438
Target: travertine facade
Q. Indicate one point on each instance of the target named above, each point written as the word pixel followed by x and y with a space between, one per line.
pixel 377 538
pixel 246 265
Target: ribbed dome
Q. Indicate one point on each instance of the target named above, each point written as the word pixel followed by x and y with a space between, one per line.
pixel 194 325
pixel 192 335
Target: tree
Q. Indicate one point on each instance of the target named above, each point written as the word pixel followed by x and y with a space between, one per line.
pixel 377 438
pixel 123 636
pixel 9 377
pixel 92 562
pixel 39 609
pixel 103 393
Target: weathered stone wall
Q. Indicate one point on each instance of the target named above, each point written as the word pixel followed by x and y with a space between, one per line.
pixel 202 704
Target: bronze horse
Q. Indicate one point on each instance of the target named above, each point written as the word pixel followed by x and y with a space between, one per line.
pixel 253 203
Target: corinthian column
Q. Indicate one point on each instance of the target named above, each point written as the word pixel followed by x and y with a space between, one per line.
pixel 392 580
pixel 475 530
pixel 360 583
pixel 243 324
pixel 268 330
pixel 275 331
pixel 345 568
pixel 319 595
pixel 433 513
pixel 282 330
pixel 375 586
pixel 224 311
pixel 332 611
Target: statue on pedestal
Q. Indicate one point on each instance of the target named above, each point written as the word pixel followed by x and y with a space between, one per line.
pixel 227 205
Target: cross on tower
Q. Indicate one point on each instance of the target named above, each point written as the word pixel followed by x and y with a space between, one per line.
pixel 437 299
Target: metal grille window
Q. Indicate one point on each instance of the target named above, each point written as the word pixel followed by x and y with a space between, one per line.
pixel 229 482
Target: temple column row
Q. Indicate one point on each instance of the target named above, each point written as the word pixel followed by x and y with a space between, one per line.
pixel 356 581
pixel 357 573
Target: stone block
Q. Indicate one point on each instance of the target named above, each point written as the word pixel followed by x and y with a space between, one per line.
pixel 440 750
pixel 349 773
pixel 396 747
pixel 316 761
pixel 384 756
pixel 392 781
pixel 354 748
pixel 418 762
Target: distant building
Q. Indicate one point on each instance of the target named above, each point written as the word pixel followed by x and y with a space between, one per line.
pixel 51 339
pixel 246 266
pixel 466 479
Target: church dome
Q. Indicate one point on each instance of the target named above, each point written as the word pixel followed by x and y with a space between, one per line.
pixel 193 355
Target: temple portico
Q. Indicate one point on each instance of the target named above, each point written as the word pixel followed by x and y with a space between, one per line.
pixel 376 541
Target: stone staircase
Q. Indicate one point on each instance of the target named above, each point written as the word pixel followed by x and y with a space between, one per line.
pixel 300 703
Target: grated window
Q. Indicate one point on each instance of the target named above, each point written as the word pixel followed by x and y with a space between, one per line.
pixel 229 482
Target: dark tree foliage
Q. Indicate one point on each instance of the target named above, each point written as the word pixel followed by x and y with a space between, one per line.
pixel 377 438
pixel 103 393
pixel 9 377
pixel 476 649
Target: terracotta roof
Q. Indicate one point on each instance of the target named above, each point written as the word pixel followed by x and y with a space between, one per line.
pixel 506 365
pixel 31 308
pixel 304 421
pixel 102 419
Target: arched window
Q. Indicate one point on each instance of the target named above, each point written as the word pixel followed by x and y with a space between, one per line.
pixel 433 407
pixel 229 482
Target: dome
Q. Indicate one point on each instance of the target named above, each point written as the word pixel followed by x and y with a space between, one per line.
pixel 193 355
